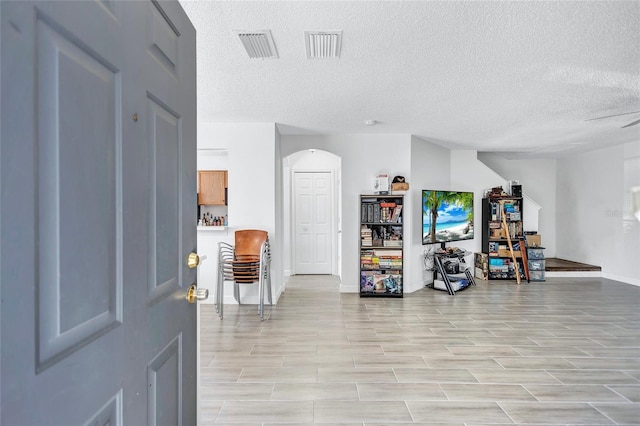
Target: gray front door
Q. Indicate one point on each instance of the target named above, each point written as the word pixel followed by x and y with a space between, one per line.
pixel 98 209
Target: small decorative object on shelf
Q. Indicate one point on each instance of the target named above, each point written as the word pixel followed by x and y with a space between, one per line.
pixel 381 251
pixel 381 184
pixel 399 184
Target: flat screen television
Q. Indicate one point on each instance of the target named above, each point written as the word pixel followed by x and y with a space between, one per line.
pixel 446 216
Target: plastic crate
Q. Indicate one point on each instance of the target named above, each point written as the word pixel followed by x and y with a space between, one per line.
pixel 536 275
pixel 536 265
pixel 535 253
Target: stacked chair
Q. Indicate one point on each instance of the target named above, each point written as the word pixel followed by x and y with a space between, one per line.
pixel 247 261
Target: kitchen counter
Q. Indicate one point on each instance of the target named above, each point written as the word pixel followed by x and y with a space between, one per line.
pixel 213 228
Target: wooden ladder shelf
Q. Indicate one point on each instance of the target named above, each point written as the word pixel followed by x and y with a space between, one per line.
pixel 505 228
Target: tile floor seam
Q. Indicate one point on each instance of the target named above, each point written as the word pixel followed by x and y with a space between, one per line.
pixel 613 390
pixel 506 413
pixel 604 414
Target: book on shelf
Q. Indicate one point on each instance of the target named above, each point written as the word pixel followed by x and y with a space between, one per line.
pixel 366 281
pixel 396 214
pixel 388 253
pixel 387 283
pixel 515 229
pixel 369 212
pixel 366 258
pixel 366 238
pixel 392 243
pixel 378 283
pixel 509 207
pixel 376 212
pixel 495 211
pixel 493 248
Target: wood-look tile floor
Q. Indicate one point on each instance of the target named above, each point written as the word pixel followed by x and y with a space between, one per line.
pixel 564 351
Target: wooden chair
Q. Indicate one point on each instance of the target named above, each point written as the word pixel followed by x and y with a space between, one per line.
pixel 247 261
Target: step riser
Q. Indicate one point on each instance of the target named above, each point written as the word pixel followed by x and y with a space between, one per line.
pixel 573 274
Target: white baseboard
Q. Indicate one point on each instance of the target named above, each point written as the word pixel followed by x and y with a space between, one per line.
pixel 350 289
pixel 626 280
pixel 573 274
pixel 592 274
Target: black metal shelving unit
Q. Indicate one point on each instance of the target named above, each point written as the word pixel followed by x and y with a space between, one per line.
pixel 381 245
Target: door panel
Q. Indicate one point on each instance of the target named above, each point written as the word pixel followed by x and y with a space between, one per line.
pixel 165 232
pixel 322 222
pixel 98 213
pixel 313 223
pixel 163 38
pixel 79 290
pixel 164 405
pixel 110 413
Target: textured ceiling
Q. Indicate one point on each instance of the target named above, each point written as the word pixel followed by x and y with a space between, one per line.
pixel 519 77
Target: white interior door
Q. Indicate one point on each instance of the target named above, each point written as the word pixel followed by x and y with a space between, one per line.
pixel 98 176
pixel 313 222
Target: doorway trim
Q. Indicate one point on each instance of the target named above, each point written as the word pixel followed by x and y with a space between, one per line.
pixel 301 161
pixel 333 234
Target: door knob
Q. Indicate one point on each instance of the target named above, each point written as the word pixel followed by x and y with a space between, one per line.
pixel 193 260
pixel 194 293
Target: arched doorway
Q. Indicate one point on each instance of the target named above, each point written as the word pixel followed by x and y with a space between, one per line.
pixel 312 206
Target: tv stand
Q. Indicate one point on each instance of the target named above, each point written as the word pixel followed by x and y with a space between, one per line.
pixel 455 273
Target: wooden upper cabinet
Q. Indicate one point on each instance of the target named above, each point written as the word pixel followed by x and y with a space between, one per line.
pixel 212 186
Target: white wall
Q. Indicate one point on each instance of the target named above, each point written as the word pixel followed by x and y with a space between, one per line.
pixel 276 238
pixel 538 180
pixel 430 169
pixel 254 189
pixel 593 221
pixel 251 161
pixel 470 174
pixel 363 157
pixel 212 159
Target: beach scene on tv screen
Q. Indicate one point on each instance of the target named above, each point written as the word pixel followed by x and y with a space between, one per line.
pixel 446 216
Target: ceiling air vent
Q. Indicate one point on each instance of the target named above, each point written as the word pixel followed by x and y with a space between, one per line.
pixel 258 44
pixel 323 44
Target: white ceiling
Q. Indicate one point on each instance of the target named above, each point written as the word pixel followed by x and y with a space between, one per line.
pixel 521 77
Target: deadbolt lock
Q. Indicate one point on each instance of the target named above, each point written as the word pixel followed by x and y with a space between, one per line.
pixel 193 260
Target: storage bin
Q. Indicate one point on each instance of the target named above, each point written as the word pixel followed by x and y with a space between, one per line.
pixel 536 265
pixel 536 275
pixel 534 240
pixel 535 253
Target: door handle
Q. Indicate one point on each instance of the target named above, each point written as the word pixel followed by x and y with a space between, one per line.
pixel 194 293
pixel 193 260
